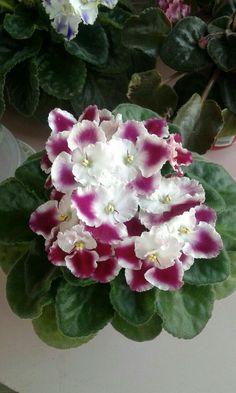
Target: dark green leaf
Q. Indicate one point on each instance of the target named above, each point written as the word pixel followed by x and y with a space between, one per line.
pixel 227 85
pixel 48 103
pixel 61 80
pixel 146 89
pixel 199 123
pixel 222 50
pixel 229 128
pixel 20 24
pixel 5 389
pixel 45 326
pixel 225 288
pixel 10 253
pixel 185 312
pixel 180 51
pixel 16 205
pixel 115 17
pixel 218 25
pixel 2 101
pixel 226 226
pixel 78 282
pixel 90 44
pixel 134 112
pixel 146 31
pixel 136 308
pixel 189 84
pixel 140 333
pixel 13 51
pixel 215 176
pixel 32 176
pixel 23 87
pixel 208 271
pixel 224 7
pixel 82 311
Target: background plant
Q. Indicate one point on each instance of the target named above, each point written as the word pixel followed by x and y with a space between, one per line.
pixel 201 50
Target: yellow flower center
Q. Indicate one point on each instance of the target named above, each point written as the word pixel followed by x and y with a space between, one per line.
pixel 62 217
pixel 152 258
pixel 85 162
pixel 79 246
pixel 109 209
pixel 183 230
pixel 129 159
pixel 166 199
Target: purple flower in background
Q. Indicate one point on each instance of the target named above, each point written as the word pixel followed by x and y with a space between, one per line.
pixel 174 9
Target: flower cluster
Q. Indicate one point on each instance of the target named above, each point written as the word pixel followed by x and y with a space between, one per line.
pixel 174 9
pixel 112 207
pixel 66 15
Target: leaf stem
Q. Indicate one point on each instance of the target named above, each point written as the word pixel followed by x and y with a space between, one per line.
pixel 5 4
pixel 173 77
pixel 210 84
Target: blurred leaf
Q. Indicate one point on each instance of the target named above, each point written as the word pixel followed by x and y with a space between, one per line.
pixel 6 389
pixel 82 311
pixel 134 112
pixel 146 89
pixel 10 253
pixel 136 308
pixel 229 128
pixel 23 87
pixel 188 85
pixel 90 44
pixel 145 332
pixel 185 312
pixel 45 326
pixel 222 50
pixel 21 24
pixel 146 31
pixel 227 287
pixel 218 25
pixel 2 101
pixel 115 17
pixel 180 50
pixel 61 81
pixel 224 7
pixel 199 123
pixel 227 85
pixel 226 226
pixel 72 280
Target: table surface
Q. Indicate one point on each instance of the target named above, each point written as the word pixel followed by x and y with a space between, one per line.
pixel 110 363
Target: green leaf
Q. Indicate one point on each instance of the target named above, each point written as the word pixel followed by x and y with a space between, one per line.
pixel 45 326
pixel 224 7
pixel 90 44
pixel 229 128
pixel 226 226
pixel 146 31
pixel 134 112
pixel 146 89
pixel 61 81
pixel 218 25
pixel 199 122
pixel 145 332
pixel 222 50
pixel 2 101
pixel 227 85
pixel 31 175
pixel 189 84
pixel 20 24
pixel 78 282
pixel 5 389
pixel 115 17
pixel 215 176
pixel 13 51
pixel 82 311
pixel 10 253
pixel 208 271
pixel 180 50
pixel 227 287
pixel 29 282
pixel 16 205
pixel 185 312
pixel 136 308
pixel 23 87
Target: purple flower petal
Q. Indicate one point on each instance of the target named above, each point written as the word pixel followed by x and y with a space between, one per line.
pixel 82 264
pixel 44 218
pixel 153 154
pixel 168 279
pixel 85 133
pixel 130 130
pixel 136 279
pixel 134 227
pixel 145 185
pixel 83 201
pixel 108 233
pixel 203 242
pixel 61 173
pixel 59 120
pixel 125 254
pixel 56 144
pixel 90 113
pixel 187 261
pixel 56 255
pixel 158 127
pixel 205 214
pixel 45 163
pixel 104 251
pixel 106 270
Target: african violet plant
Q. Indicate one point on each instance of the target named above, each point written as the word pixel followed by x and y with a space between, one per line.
pixel 197 39
pixel 63 53
pixel 116 222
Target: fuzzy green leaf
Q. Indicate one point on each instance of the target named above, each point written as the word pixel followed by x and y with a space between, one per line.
pixel 229 128
pixel 78 282
pixel 146 89
pixel 185 312
pixel 136 308
pixel 146 31
pixel 10 253
pixel 145 332
pixel 21 24
pixel 199 123
pixel 45 326
pixel 225 288
pixel 227 85
pixel 222 50
pixel 82 311
pixel 134 112
pixel 180 50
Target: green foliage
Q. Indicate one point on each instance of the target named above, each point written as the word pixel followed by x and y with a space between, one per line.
pixel 227 287
pixel 10 253
pixel 135 112
pixel 5 389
